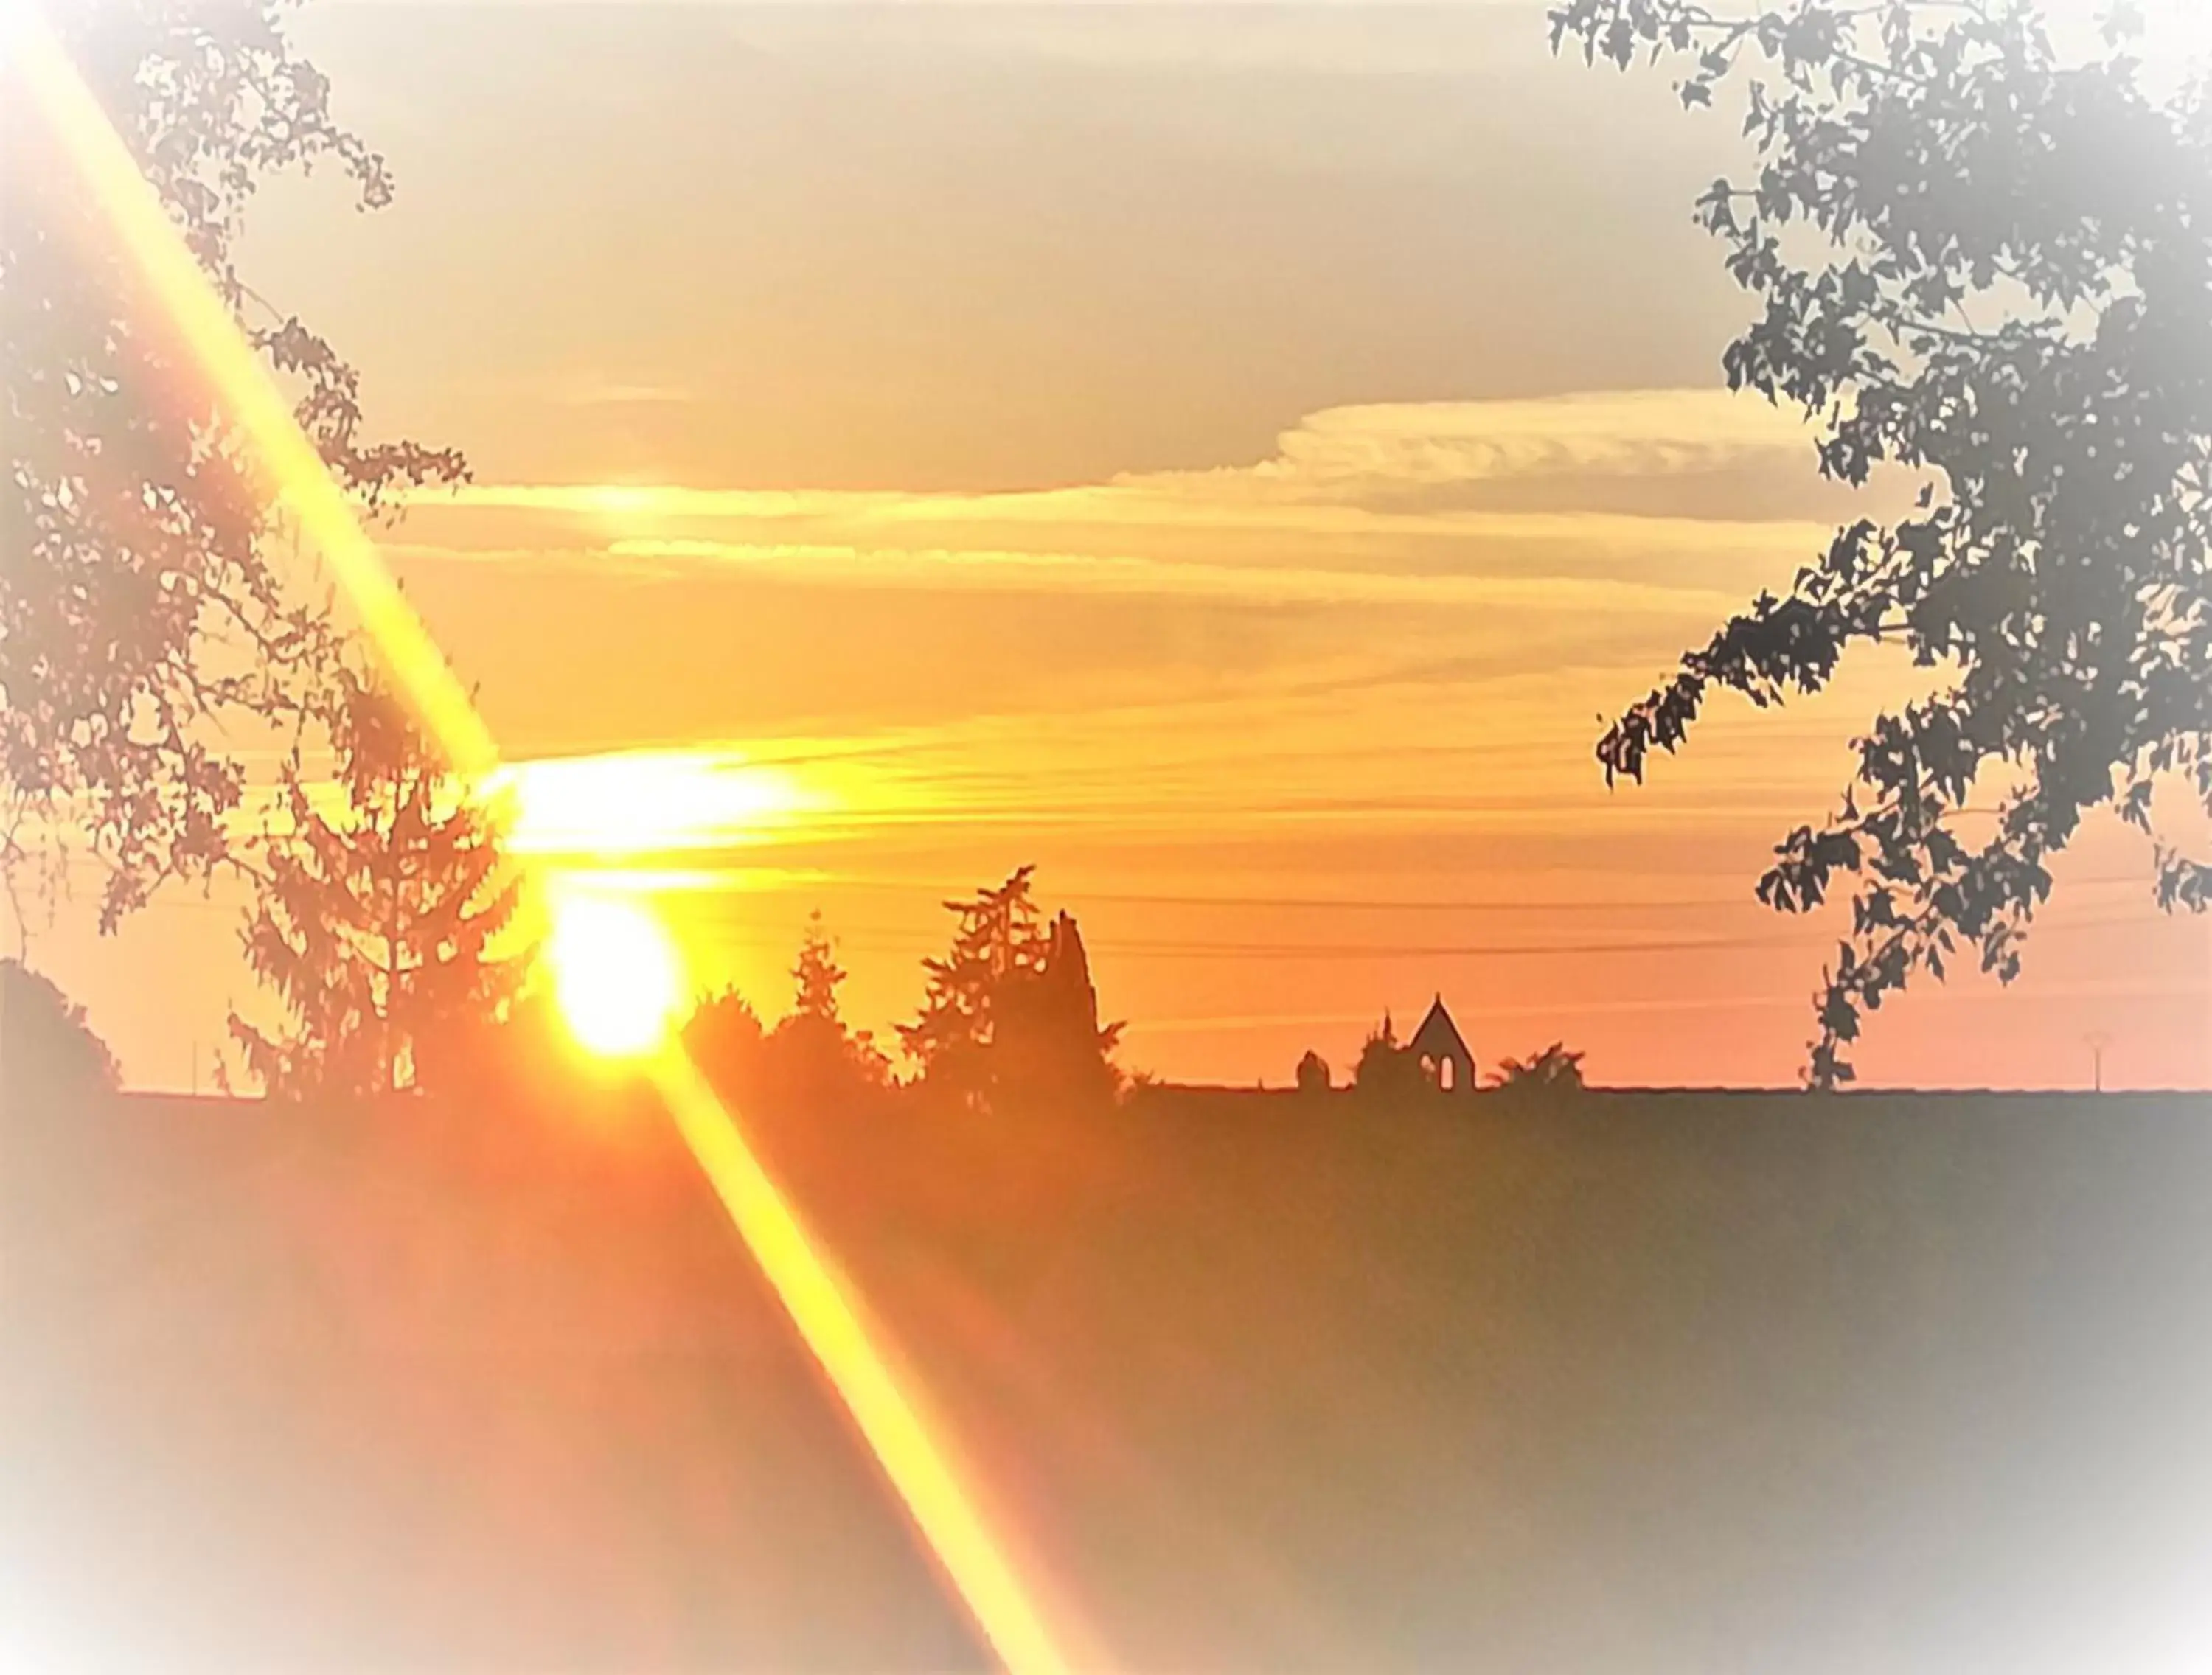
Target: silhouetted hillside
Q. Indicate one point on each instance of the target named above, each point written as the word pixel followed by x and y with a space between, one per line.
pixel 1643 1382
pixel 419 1389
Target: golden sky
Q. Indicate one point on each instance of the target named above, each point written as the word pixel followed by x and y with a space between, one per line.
pixel 1230 458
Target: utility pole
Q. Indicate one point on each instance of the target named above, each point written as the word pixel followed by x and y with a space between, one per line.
pixel 2096 1043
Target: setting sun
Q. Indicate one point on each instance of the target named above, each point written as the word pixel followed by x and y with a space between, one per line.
pixel 617 975
pixel 1163 835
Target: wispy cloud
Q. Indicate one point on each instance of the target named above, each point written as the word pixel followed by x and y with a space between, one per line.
pixel 1340 454
pixel 1352 508
pixel 1347 453
pixel 1127 507
pixel 1469 709
pixel 597 394
pixel 1053 572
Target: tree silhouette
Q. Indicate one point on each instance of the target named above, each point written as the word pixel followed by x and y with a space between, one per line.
pixel 375 921
pixel 1313 1073
pixel 724 1035
pixel 812 1059
pixel 1386 1069
pixel 1994 271
pixel 142 622
pixel 999 936
pixel 813 1056
pixel 1010 1016
pixel 817 975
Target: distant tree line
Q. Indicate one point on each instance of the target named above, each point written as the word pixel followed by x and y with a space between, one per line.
pixel 1009 1022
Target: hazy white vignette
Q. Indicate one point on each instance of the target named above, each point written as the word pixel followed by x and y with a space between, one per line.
pixel 1050 582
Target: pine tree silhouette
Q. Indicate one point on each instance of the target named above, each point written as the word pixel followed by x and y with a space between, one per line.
pixel 817 974
pixel 376 917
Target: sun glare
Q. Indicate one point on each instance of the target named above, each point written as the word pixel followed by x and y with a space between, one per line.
pixel 617 975
pixel 646 802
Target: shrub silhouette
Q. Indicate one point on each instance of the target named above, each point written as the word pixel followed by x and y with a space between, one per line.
pixel 46 1044
pixel 1386 1070
pixel 1554 1074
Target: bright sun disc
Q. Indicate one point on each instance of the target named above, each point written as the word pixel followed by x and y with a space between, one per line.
pixel 617 977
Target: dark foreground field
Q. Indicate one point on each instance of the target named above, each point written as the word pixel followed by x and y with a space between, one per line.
pixel 1656 1382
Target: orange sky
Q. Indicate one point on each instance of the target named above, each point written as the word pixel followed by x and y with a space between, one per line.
pixel 1229 459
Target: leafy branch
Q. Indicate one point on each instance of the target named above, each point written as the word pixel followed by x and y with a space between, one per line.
pixel 1921 168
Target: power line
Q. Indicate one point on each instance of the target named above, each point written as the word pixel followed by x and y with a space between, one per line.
pixel 881 939
pixel 1284 903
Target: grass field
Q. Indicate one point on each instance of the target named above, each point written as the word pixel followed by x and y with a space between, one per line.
pixel 1663 1382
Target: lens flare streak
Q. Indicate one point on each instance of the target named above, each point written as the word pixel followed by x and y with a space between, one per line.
pixel 964 1547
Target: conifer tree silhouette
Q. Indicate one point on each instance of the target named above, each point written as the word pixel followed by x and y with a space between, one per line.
pixel 376 916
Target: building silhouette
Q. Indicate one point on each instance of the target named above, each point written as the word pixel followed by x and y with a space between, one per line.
pixel 1443 1052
